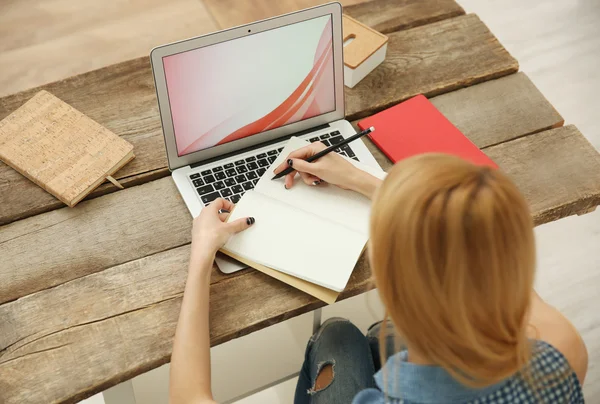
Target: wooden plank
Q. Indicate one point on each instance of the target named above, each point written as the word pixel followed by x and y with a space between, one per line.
pixel 23 199
pixel 558 171
pixel 122 98
pixel 97 234
pixel 101 95
pixel 71 243
pixel 231 13
pixel 122 320
pixel 498 110
pixel 383 15
pixel 418 62
pixel 394 15
pixel 506 102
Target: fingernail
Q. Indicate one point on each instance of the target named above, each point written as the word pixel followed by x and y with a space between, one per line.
pixel 285 186
pixel 224 211
pixel 316 182
pixel 290 162
pixel 250 221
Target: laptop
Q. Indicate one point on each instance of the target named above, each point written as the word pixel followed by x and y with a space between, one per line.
pixel 230 100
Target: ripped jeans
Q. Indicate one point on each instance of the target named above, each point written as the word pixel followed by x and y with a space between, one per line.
pixel 340 349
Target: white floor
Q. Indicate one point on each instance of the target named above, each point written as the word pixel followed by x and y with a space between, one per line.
pixel 557 43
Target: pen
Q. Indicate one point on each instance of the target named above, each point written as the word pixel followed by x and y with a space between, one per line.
pixel 326 151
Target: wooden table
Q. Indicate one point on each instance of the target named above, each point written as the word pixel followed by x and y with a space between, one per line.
pixel 89 296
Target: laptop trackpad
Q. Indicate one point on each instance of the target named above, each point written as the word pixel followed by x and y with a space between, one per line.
pixel 227 264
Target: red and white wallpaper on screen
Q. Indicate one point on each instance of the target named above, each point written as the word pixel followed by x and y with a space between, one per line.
pixel 238 88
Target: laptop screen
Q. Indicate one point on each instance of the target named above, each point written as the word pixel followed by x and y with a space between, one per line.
pixel 234 89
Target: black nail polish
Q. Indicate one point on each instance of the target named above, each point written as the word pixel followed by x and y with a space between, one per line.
pixel 290 162
pixel 224 211
pixel 248 221
pixel 285 186
pixel 316 182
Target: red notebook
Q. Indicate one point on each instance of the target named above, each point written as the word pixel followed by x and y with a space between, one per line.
pixel 416 127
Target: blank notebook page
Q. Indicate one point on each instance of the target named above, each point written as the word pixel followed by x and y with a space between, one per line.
pixel 296 242
pixel 328 201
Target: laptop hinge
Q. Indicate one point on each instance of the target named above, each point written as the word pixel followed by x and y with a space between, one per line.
pixel 258 146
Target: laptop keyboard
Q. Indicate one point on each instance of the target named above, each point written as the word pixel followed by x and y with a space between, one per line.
pixel 230 181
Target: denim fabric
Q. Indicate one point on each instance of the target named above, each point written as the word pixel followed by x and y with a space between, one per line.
pixel 357 378
pixel 340 343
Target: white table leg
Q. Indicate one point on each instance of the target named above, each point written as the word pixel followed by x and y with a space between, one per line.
pixel 120 394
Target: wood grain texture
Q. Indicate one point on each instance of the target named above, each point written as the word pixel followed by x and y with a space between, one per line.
pixel 120 322
pixel 59 148
pixel 499 110
pixel 365 41
pixel 394 15
pixel 122 98
pixel 71 243
pixel 97 234
pixel 119 97
pixel 46 40
pixel 418 61
pixel 230 13
pixel 506 102
pixel 576 279
pixel 559 164
pixel 558 171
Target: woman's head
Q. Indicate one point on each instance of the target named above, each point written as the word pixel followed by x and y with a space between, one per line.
pixel 453 255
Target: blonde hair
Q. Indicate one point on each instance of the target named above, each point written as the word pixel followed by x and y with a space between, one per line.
pixel 453 256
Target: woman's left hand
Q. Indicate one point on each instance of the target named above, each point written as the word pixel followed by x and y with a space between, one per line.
pixel 210 231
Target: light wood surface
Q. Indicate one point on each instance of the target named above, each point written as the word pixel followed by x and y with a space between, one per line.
pixel 416 63
pixel 109 308
pixel 230 13
pixel 95 33
pixel 59 148
pixel 365 41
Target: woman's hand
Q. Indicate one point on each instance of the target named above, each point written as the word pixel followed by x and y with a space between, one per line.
pixel 331 168
pixel 210 231
pixel 190 379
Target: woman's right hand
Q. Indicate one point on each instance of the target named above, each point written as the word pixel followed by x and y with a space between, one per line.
pixel 331 168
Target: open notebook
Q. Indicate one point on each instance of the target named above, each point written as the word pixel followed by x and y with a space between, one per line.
pixel 314 233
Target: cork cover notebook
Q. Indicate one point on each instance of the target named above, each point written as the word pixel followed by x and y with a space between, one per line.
pixel 61 149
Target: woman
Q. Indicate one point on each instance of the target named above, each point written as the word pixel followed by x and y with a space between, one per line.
pixel 452 253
